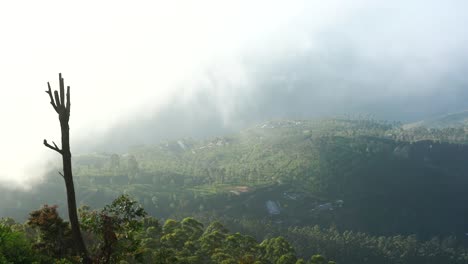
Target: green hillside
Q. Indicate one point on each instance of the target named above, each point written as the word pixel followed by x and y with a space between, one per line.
pixel 356 174
pixel 280 177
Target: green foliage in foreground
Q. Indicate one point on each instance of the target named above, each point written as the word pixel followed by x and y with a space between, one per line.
pixel 14 245
pixel 121 233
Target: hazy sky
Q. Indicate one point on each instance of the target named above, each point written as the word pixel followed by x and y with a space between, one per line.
pixel 165 66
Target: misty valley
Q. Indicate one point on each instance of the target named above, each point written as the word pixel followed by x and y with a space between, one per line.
pixel 309 191
pixel 234 132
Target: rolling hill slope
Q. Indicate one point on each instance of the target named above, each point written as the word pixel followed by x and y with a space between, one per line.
pixel 354 174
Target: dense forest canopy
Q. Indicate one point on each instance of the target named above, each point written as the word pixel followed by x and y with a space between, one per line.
pixel 352 190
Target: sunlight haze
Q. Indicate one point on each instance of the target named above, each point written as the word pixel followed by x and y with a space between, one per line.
pixel 238 59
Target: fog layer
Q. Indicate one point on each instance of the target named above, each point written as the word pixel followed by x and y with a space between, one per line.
pixel 153 70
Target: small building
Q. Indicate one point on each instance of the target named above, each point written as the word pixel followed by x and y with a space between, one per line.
pixel 325 207
pixel 272 208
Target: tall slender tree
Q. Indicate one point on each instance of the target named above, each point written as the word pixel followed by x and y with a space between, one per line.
pixel 61 105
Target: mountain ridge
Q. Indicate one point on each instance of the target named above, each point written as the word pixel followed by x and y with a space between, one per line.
pixel 451 120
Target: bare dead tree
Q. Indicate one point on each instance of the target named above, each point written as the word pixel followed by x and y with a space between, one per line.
pixel 61 105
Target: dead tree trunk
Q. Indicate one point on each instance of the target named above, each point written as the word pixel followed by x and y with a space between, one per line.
pixel 61 105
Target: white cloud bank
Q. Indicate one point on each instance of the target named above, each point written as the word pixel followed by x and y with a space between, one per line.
pixel 126 60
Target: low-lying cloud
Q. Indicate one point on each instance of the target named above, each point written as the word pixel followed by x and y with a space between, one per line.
pixel 153 70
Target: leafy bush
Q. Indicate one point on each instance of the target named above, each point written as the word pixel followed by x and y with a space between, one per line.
pixel 14 247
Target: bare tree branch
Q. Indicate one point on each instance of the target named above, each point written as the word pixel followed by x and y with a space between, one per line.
pixel 54 147
pixel 57 99
pixel 61 174
pixel 62 91
pixel 68 100
pixel 51 97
